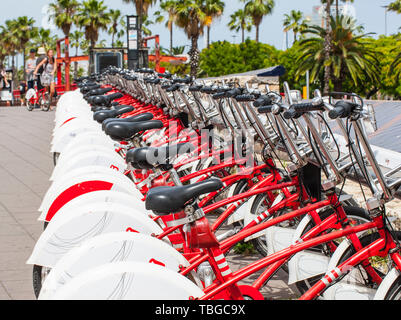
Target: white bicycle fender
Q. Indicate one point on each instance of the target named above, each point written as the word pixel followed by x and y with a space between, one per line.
pixel 386 284
pixel 68 189
pixel 95 172
pixel 68 230
pixel 112 247
pixel 129 281
pixel 88 159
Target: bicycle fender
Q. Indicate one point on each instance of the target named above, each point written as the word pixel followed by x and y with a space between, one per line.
pixel 90 158
pixel 386 284
pixel 111 247
pixel 69 229
pixel 129 281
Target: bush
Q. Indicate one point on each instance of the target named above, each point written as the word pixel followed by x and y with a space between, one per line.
pixel 223 58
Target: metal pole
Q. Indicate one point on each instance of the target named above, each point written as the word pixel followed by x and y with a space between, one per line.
pixel 385 19
pixel 307 84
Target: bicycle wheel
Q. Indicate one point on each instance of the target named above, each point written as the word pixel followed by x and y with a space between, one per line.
pixel 382 265
pixel 45 102
pixel 39 274
pixel 29 105
pixel 394 293
pixel 355 214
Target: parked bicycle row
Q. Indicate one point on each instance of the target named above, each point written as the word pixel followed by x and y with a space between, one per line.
pixel 143 159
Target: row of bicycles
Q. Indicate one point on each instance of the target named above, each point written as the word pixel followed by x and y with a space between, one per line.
pixel 158 178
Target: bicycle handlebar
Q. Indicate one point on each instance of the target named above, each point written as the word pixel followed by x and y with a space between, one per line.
pixel 342 109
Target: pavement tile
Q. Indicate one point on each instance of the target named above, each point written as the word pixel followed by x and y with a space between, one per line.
pixel 19 289
pixel 3 293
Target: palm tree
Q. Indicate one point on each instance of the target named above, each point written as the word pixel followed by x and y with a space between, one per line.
pixel 93 17
pixel 142 8
pixel 395 6
pixel 115 16
pixel 240 21
pixel 349 53
pixel 24 30
pixel 257 9
pixel 45 39
pixel 190 16
pixel 75 40
pixel 62 13
pixel 213 9
pixel 10 40
pixel 294 21
pixel 167 6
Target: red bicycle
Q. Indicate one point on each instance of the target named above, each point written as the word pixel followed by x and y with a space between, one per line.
pixel 38 98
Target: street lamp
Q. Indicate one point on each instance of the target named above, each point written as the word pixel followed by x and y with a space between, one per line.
pixel 385 19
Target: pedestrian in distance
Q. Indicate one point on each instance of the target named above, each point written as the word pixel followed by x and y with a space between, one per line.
pixel 47 76
pixel 30 69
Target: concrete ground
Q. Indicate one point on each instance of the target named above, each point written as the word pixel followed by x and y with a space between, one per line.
pixel 25 167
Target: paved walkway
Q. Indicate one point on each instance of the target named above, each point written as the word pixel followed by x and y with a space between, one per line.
pixel 25 167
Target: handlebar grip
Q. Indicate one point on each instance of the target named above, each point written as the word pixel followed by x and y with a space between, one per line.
pixel 307 107
pixel 208 90
pixel 219 95
pixel 245 97
pixel 262 101
pixel 291 114
pixel 195 88
pixel 342 109
pixel 265 109
pixel 233 92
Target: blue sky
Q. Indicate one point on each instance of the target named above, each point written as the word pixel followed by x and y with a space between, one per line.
pixel 369 13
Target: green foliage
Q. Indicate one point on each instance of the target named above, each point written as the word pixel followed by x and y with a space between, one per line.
pixel 224 58
pixel 245 248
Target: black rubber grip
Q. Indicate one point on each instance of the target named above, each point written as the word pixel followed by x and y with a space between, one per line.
pixel 219 95
pixel 164 75
pixel 208 90
pixel 245 97
pixel 265 109
pixel 183 80
pixel 233 93
pixel 291 114
pixel 262 101
pixel 307 107
pixel 174 87
pixel 195 88
pixel 342 109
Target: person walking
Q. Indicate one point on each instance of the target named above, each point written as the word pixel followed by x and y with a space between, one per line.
pixel 30 69
pixel 49 69
pixel 42 56
pixel 3 77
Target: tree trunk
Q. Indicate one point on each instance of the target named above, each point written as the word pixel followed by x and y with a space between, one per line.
pixel 327 50
pixel 194 54
pixel 112 40
pixel 208 37
pixel 243 34
pixel 140 13
pixel 76 65
pixel 23 53
pixel 337 10
pixel 171 40
pixel 257 33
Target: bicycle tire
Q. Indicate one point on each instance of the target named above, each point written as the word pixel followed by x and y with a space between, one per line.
pixel 39 274
pixel 365 241
pixel 351 212
pixel 394 293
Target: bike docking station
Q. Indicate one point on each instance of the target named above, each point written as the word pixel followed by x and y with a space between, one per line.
pixel 158 180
